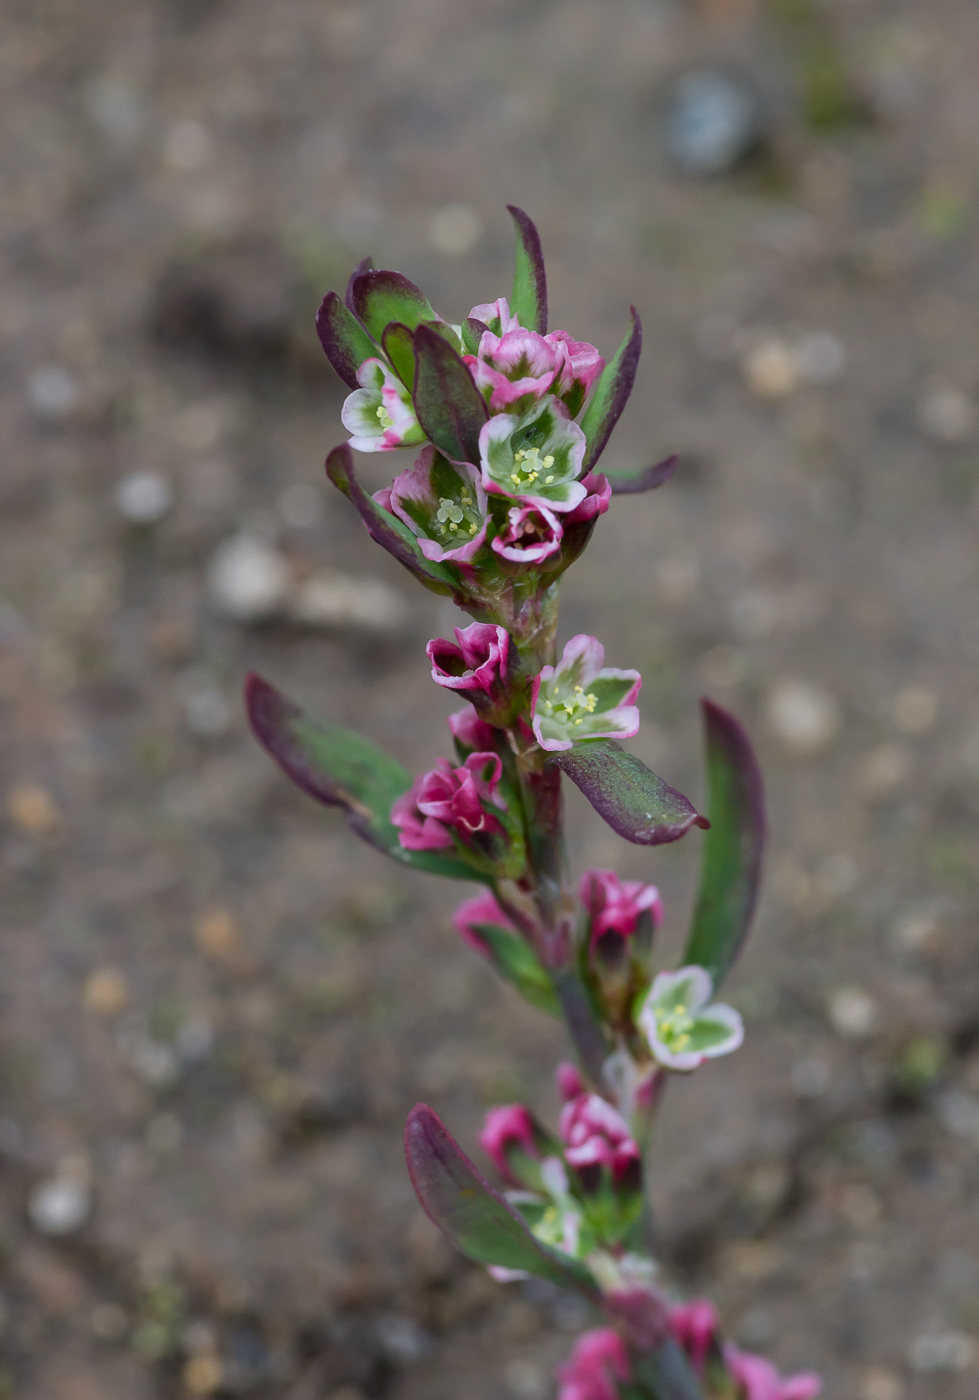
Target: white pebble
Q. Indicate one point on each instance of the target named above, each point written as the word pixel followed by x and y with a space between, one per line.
pixel 804 716
pixel 332 599
pixel 53 392
pixel 401 1339
pixel 853 1013
pixel 248 580
pixel 942 1351
pixel 155 1063
pixel 947 415
pixel 771 368
pixel 143 498
pixel 206 710
pixel 455 229
pixel 60 1206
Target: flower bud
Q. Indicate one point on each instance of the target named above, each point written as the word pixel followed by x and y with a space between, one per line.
pixel 483 908
pixel 597 1140
pixel 598 1359
pixel 478 664
pixel 569 1081
pixel 508 1132
pixel 472 734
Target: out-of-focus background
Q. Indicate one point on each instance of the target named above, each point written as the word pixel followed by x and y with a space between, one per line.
pixel 217 1007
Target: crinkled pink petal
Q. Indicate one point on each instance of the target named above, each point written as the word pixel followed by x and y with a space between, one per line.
pixel 505 1126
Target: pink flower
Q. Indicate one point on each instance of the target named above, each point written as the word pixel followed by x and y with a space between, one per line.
pixel 515 369
pixel 759 1379
pixel 695 1326
pixel 443 504
pixel 509 1125
pixel 596 1135
pixel 481 909
pixel 531 534
pixel 598 1359
pixel 580 698
pixel 596 502
pixel 569 1081
pixel 470 732
pixel 616 905
pixel 476 663
pixel 582 364
pixel 380 414
pixel 447 801
pixel 496 315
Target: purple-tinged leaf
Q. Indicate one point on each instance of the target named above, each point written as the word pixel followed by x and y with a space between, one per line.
pixel 667 1373
pixel 471 1214
pixel 648 480
pixel 529 300
pixel 448 405
pixel 343 338
pixel 386 529
pixel 365 265
pixel 730 869
pixel 472 333
pixel 382 297
pixel 611 393
pixel 632 799
pixel 399 346
pixel 340 769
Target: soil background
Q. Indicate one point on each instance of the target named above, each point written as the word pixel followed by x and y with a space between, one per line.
pixel 217 1006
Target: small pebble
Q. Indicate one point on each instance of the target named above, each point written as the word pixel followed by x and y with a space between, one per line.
pixel 942 1351
pixel 882 771
pixel 805 717
pixel 712 121
pixel 202 1375
pixel 206 710
pixel 60 1206
pixel 217 935
pixel 880 1383
pixel 53 392
pixel 915 709
pixel 401 1339
pixel 455 229
pixel 947 416
pixel 332 599
pixel 248 580
pixel 143 498
pixel 106 992
pixel 195 1039
pixel 853 1013
pixel 32 808
pixel 771 368
pixel 155 1063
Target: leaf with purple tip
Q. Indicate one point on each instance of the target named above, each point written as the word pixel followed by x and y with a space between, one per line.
pixel 471 1214
pixel 611 394
pixel 343 338
pixel 472 333
pixel 365 265
pixel 635 802
pixel 382 297
pixel 449 407
pixel 648 480
pixel 528 301
pixel 730 870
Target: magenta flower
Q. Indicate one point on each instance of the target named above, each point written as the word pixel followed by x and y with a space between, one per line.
pixel 616 905
pixel 582 364
pixel 695 1326
pixel 598 1359
pixel 569 1081
pixel 509 1125
pixel 380 414
pixel 598 490
pixel 535 458
pixel 681 1028
pixel 472 734
pixel 596 1135
pixel 477 663
pixel 580 699
pixel 449 801
pixel 759 1379
pixel 442 503
pixel 514 370
pixel 532 533
pixel 481 909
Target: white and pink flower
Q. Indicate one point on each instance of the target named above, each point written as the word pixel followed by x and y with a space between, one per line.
pixel 681 1027
pixel 442 503
pixel 595 1135
pixel 380 414
pixel 531 534
pixel 598 1359
pixel 581 698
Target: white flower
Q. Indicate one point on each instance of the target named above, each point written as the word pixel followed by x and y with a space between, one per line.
pixel 681 1028
pixel 380 414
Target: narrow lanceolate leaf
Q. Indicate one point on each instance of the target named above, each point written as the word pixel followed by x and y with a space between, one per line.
pixel 382 297
pixel 365 265
pixel 611 394
pixel 472 333
pixel 731 862
pixel 449 407
pixel 666 1373
pixel 340 769
pixel 648 480
pixel 632 799
pixel 344 339
pixel 399 346
pixel 529 300
pixel 471 1214
pixel 386 529
pixel 518 965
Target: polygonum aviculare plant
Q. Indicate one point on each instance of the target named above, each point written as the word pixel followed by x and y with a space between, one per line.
pixel 506 422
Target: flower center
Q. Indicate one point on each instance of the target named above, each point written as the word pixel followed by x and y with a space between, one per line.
pixel 528 465
pixel 384 418
pixel 574 707
pixel 674 1024
pixel 457 517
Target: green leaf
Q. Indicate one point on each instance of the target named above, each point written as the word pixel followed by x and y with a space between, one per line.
pixel 472 333
pixel 382 297
pixel 611 394
pixel 646 480
pixel 450 408
pixel 730 868
pixel 341 769
pixel 399 346
pixel 632 799
pixel 471 1214
pixel 343 338
pixel 518 965
pixel 386 529
pixel 528 301
pixel 666 1373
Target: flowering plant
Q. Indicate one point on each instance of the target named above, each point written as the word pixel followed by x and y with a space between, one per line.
pixel 503 496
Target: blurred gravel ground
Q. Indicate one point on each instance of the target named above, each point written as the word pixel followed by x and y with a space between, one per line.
pixel 216 1006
